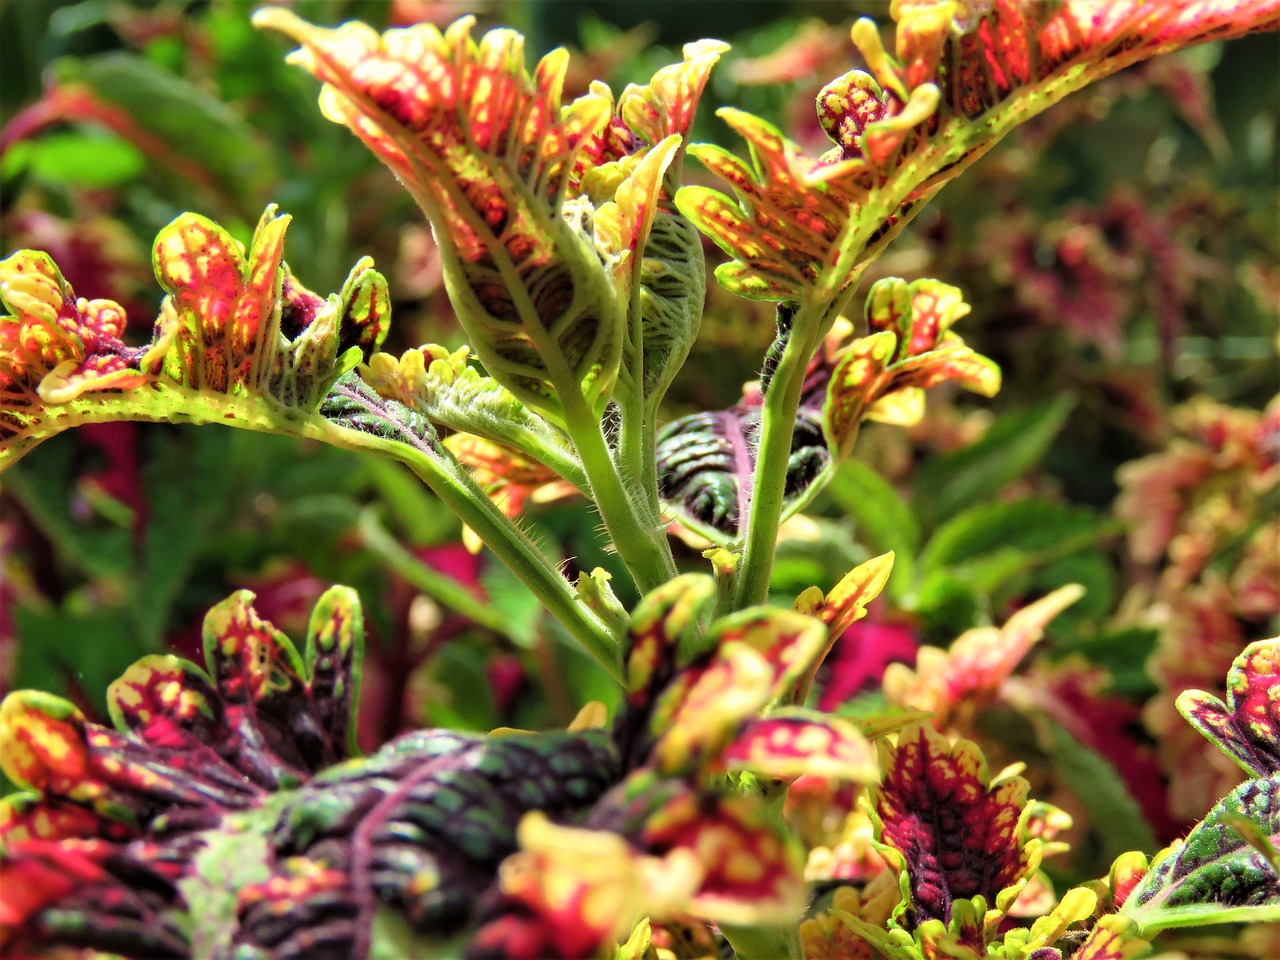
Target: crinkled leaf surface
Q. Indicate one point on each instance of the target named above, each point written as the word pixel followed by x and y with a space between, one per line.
pixel 488 150
pixel 202 826
pixel 1216 875
pixel 238 339
pixel 1246 727
pixel 960 77
pixel 449 391
pixel 706 461
pixel 955 833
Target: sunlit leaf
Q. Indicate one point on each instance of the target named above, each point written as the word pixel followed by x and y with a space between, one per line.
pixel 954 831
pixel 1246 727
pixel 1215 875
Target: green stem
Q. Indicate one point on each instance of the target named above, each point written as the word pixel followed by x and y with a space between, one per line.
pixel 448 480
pixel 778 419
pixel 642 545
pixel 440 587
pixel 453 485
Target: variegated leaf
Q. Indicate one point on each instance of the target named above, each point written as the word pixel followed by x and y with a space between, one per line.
pixel 238 339
pixel 54 348
pixel 754 659
pixel 753 872
pixel 953 684
pixel 1216 875
pixel 1247 727
pixel 793 743
pixel 487 150
pixel 955 833
pixel 963 76
pixel 706 465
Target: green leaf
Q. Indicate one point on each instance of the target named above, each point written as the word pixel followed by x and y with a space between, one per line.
pixel 518 609
pixel 1011 446
pixel 82 159
pixel 189 123
pixel 74 651
pixel 882 517
pixel 1113 812
pixel 1033 526
pixel 1216 875
pixel 449 391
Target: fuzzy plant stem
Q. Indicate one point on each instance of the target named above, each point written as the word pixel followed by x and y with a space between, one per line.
pixel 777 427
pixel 447 479
pixel 642 545
pixel 454 486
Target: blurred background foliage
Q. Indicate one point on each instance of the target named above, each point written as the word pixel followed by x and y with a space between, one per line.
pixel 1121 254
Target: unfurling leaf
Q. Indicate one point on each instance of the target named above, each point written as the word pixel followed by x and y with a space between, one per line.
pixel 1216 875
pixel 963 76
pixel 54 348
pixel 1247 727
pixel 238 340
pixel 447 390
pixel 909 349
pixel 488 151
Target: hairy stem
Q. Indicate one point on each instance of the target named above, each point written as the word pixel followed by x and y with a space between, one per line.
pixel 443 589
pixel 454 486
pixel 448 479
pixel 641 543
pixel 777 427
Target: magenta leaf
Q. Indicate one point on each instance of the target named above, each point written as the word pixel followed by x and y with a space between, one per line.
pixel 1247 727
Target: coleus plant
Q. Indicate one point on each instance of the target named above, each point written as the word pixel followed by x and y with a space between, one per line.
pixel 226 812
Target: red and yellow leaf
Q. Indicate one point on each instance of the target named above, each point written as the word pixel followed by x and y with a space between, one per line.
pixel 795 743
pixel 955 832
pixel 955 684
pixel 753 873
pixel 488 151
pixel 1247 727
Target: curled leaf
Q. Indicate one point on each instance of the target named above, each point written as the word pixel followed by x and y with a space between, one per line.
pixel 1246 727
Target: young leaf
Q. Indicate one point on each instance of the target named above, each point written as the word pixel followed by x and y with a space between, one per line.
pixel 237 340
pixel 54 348
pixel 1215 875
pixel 801 228
pixel 1247 727
pixel 447 390
pixel 487 150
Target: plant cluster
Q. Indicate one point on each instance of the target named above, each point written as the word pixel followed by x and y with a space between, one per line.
pixel 731 798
